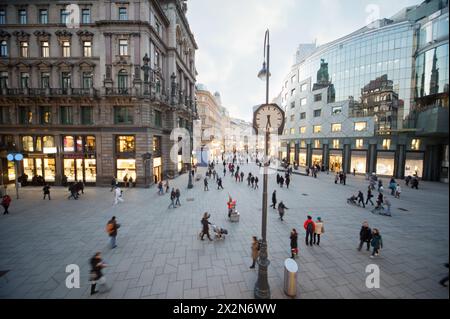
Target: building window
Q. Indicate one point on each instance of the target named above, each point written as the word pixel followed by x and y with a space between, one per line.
pixel 65 80
pixel 302 129
pixel 317 129
pixel 125 144
pixel 45 80
pixel 45 49
pixel 4 115
pixel 316 143
pixel 122 81
pixel 303 101
pixel 157 146
pixel 2 16
pixel 123 115
pixel 302 115
pixel 64 16
pixel 359 143
pixel 317 97
pixel 22 16
pixel 336 110
pixel 4 79
pixel 123 15
pixel 28 143
pixel 158 28
pixel 386 143
pixel 66 49
pixel 43 16
pixel 304 87
pixel 360 126
pixel 292 117
pixel 335 143
pixel 66 115
pixel 24 80
pixel 123 47
pixel 87 80
pixel 69 144
pixel 292 105
pixel 415 144
pixel 317 113
pixel 294 78
pixel 292 131
pixel 87 48
pixel 24 49
pixel 45 113
pixel 25 115
pixel 158 119
pixel 3 49
pixel 87 115
pixel 336 127
pixel 85 16
pixel 292 92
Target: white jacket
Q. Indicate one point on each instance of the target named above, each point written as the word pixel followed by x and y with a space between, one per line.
pixel 319 227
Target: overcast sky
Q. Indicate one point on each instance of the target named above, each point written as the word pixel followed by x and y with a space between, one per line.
pixel 230 36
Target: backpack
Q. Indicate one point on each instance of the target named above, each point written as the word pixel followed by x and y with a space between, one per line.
pixel 309 228
pixel 109 228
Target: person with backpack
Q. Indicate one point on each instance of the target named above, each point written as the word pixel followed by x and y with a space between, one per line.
pixel 177 195
pixel 46 191
pixel 376 243
pixel 97 265
pixel 281 209
pixel 255 251
pixel 111 228
pixel 319 229
pixel 6 201
pixel 294 243
pixel 309 227
pixel 365 236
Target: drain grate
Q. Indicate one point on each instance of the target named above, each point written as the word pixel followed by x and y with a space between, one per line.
pixel 189 199
pixel 403 210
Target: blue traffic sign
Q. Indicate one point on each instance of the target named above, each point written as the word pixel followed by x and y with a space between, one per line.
pixel 10 157
pixel 18 157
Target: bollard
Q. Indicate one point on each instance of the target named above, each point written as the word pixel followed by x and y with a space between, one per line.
pixel 290 277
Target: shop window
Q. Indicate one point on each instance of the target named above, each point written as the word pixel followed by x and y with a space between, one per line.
pixel 126 167
pixel 49 145
pixel 359 143
pixel 360 126
pixel 90 144
pixel 336 144
pixel 386 143
pixel 27 143
pixel 69 144
pixel 358 162
pixel 126 144
pixel 303 144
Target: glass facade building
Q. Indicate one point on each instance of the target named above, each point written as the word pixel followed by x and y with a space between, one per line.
pixel 384 75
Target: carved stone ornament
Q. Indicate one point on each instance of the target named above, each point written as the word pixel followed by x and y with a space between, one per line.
pixel 4 35
pixel 42 35
pixel 21 36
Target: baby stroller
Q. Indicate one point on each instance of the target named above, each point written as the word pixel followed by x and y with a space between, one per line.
pixel 352 200
pixel 219 232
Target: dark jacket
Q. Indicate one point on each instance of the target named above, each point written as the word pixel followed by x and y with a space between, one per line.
pixel 46 189
pixel 377 241
pixel 365 234
pixel 205 224
pixel 274 197
pixel 294 243
pixel 96 268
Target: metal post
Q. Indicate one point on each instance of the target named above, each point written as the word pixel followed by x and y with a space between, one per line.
pixel 262 289
pixel 16 170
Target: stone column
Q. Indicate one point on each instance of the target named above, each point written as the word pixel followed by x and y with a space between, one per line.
pixel 59 158
pixel 325 155
pixel 308 153
pixel 400 161
pixel 372 157
pixel 346 161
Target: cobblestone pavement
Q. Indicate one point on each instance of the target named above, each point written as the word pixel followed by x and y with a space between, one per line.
pixel 159 254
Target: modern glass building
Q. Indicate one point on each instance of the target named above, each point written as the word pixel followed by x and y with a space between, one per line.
pixel 354 104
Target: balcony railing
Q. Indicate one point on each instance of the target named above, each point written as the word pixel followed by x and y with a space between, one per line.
pixel 49 92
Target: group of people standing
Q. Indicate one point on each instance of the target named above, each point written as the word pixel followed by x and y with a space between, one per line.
pixel 286 180
pixel 372 238
pixel 340 177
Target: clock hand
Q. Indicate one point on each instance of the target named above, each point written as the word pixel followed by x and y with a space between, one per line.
pixel 268 122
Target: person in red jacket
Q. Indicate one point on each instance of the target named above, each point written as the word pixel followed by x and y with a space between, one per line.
pixel 309 227
pixel 6 201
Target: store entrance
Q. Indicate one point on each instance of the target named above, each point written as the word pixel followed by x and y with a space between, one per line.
pixel 39 170
pixel 335 163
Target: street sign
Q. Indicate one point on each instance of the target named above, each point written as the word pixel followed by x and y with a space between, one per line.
pixel 10 157
pixel 18 157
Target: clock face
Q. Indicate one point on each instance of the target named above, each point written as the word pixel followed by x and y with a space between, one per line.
pixel 269 118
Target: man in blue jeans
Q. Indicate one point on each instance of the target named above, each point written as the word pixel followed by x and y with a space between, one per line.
pixel 111 227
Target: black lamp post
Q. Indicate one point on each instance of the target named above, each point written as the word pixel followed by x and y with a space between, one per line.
pixel 262 289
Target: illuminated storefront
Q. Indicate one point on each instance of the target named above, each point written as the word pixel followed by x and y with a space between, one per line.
pixel 358 162
pixel 302 157
pixel 126 167
pixel 39 157
pixel 385 163
pixel 157 169
pixel 414 164
pixel 125 157
pixel 79 158
pixel 335 161
pixel 292 153
pixel 317 157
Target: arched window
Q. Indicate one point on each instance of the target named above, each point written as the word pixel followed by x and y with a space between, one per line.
pixel 122 81
pixel 3 49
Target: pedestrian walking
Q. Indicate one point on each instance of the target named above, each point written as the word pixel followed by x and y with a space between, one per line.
pixel 287 181
pixel 219 183
pixel 205 224
pixel 398 191
pixel 172 198
pixel 255 251
pixel 376 243
pixel 415 183
pixel 256 182
pixel 160 188
pixel 205 182
pixel 46 191
pixel 278 179
pixel 319 229
pixel 111 228
pixel 125 181
pixel 369 195
pixel 6 201
pixel 392 186
pixel 388 204
pixel 73 192
pixel 336 178
pixel 167 186
pixel 224 172
pixel 281 210
pixel 252 181
pixel 294 243
pixel 177 195
pixel 274 199
pixel 113 183
pixel 309 227
pixel 344 178
pixel 242 177
pixel 361 199
pixel 96 276
pixel 118 196
pixel 365 236
pixel 281 181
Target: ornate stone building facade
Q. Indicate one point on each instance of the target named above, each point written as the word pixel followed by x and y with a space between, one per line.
pixel 93 90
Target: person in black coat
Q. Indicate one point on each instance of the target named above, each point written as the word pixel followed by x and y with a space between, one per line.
pixel 46 191
pixel 288 181
pixel 205 224
pixel 365 236
pixel 369 196
pixel 274 199
pixel 294 243
pixel 97 265
pixel 281 181
pixel 361 198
